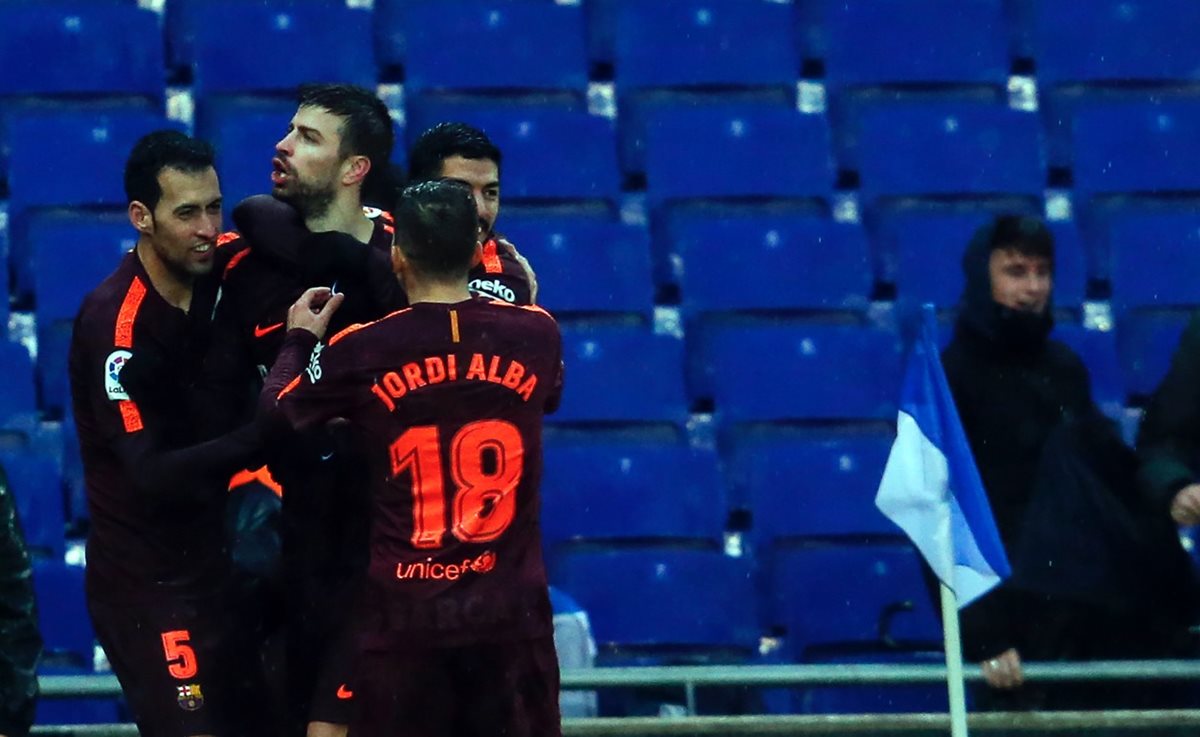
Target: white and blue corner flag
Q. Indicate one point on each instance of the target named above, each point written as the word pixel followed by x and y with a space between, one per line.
pixel 931 488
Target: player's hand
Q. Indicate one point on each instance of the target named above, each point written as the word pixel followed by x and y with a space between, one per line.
pixel 1185 507
pixel 1004 670
pixel 314 310
pixel 525 265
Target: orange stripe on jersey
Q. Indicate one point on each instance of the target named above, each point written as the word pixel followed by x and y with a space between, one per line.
pixel 491 258
pixel 389 229
pixel 454 326
pixel 360 325
pixel 261 475
pixel 237 259
pixel 226 237
pixel 130 415
pixel 287 389
pixel 123 337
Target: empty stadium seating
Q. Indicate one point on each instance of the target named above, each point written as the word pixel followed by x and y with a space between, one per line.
pixel 662 597
pixel 494 44
pixel 802 369
pixel 826 595
pixel 809 482
pixel 68 638
pixel 1146 340
pixel 1149 144
pixel 1098 350
pixel 1155 255
pixel 244 133
pixel 604 384
pixel 770 257
pixel 589 261
pixel 920 42
pixel 634 484
pixel 16 369
pixel 238 47
pixel 79 47
pixel 71 253
pixel 36 486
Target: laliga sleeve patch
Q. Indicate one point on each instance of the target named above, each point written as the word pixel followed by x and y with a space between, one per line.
pixel 112 374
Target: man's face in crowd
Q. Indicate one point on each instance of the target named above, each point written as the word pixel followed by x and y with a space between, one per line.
pixel 185 223
pixel 1019 281
pixel 308 162
pixel 483 177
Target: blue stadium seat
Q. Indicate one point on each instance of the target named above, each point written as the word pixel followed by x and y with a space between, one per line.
pixel 921 41
pixel 320 41
pixel 1116 41
pixel 54 342
pixel 85 164
pixel 878 699
pixel 921 245
pixel 704 43
pixel 62 611
pixel 629 484
pixel 1098 349
pixel 662 597
pixel 72 252
pixel 79 47
pixel 953 147
pixel 36 486
pixel 802 369
pixel 495 44
pixel 592 261
pixel 244 132
pixel 805 482
pixel 1146 341
pixel 739 257
pixel 16 373
pixel 1123 145
pixel 553 149
pixel 604 382
pixel 719 150
pixel 841 594
pixel 1155 255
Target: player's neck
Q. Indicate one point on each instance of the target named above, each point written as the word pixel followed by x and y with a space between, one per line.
pixel 447 294
pixel 173 287
pixel 345 215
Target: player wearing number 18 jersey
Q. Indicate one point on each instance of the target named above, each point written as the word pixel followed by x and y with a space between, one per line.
pixel 455 635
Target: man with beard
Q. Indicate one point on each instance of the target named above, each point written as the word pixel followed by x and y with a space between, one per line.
pixel 157 570
pixel 463 153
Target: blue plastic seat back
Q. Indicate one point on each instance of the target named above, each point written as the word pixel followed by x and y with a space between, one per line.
pixel 36 486
pixel 1148 145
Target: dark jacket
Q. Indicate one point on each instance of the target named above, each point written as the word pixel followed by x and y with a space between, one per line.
pixel 1169 438
pixel 20 642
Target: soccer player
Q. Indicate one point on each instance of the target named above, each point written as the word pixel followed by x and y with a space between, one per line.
pixel 461 152
pixel 456 636
pixel 157 565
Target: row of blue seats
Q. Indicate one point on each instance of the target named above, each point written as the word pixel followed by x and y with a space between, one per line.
pixel 709 146
pixel 746 368
pixel 531 44
pixel 721 257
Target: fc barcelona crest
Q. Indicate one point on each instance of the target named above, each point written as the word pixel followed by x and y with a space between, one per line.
pixel 190 698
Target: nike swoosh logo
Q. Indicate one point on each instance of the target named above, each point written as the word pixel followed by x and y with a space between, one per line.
pixel 260 331
pixel 344 693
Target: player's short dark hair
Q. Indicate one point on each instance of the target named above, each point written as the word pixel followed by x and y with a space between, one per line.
pixel 163 149
pixel 367 130
pixel 1024 234
pixel 437 227
pixel 443 141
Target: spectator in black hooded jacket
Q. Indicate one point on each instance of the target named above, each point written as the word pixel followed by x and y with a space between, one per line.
pixel 20 642
pixel 1018 393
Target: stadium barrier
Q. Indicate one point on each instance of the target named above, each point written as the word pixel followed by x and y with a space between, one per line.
pixel 693 677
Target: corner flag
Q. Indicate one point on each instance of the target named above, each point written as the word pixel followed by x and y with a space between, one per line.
pixel 931 488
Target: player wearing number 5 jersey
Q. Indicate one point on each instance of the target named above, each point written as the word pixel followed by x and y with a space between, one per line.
pixel 455 634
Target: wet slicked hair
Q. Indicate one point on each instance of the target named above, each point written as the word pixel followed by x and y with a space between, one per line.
pixel 443 141
pixel 164 149
pixel 437 228
pixel 367 130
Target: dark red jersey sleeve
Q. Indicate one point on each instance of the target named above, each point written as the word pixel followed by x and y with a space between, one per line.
pixel 311 381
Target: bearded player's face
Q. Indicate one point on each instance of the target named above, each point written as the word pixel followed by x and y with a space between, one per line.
pixel 308 161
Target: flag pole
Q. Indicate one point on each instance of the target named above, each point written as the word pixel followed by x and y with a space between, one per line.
pixel 954 663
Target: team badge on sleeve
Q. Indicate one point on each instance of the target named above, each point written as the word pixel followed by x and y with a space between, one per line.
pixel 190 698
pixel 112 374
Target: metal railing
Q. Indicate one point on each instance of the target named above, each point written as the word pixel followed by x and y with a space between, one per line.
pixel 776 676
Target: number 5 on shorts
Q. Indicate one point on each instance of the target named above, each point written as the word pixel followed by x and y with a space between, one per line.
pixel 181 658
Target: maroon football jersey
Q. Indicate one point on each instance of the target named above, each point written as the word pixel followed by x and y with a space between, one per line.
pixel 450 398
